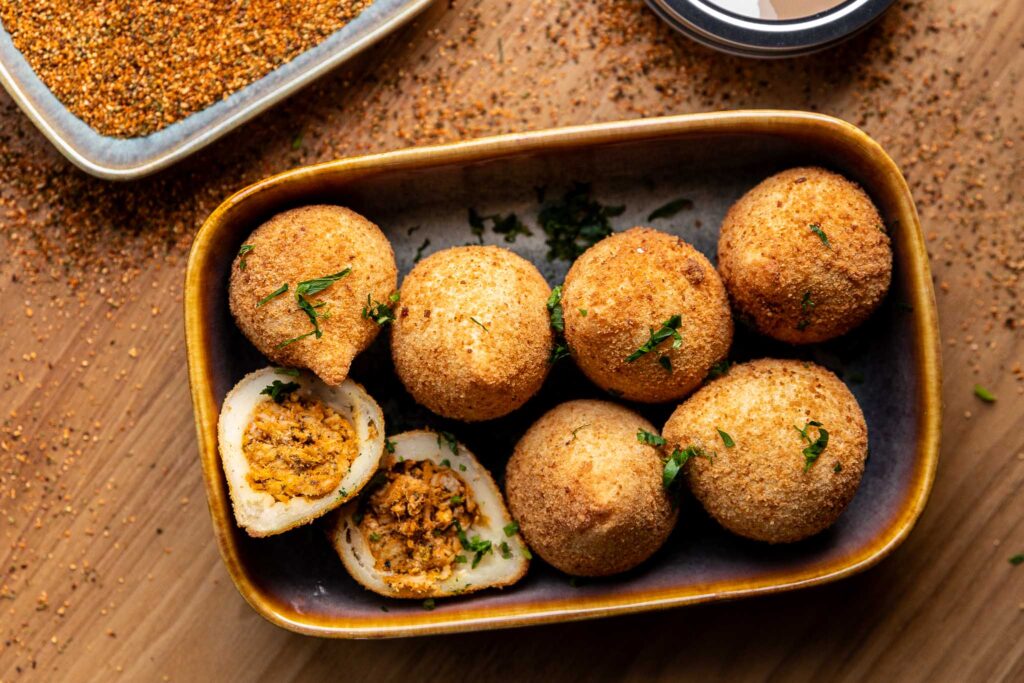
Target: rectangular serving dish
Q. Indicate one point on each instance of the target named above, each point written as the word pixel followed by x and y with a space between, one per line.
pixel 296 581
pixel 127 158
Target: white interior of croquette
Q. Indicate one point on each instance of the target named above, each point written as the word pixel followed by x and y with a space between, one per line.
pixel 257 511
pixel 493 569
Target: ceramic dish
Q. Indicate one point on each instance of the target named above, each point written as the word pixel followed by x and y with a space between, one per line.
pixel 295 580
pixel 127 158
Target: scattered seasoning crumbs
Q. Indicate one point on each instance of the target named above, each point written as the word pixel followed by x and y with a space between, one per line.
pixel 646 437
pixel 277 292
pixel 670 209
pixel 447 438
pixel 726 439
pixel 984 394
pixel 816 229
pixel 278 390
pixel 668 329
pixel 242 251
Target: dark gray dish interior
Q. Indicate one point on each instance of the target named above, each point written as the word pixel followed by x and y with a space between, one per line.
pixel 300 570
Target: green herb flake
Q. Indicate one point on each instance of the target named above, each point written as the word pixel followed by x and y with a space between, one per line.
pixel 278 390
pixel 554 305
pixel 670 209
pixel 506 552
pixel 286 342
pixel 726 439
pixel 429 604
pixel 526 552
pixel 476 225
pixel 297 142
pixel 277 292
pixel 446 463
pixel 316 285
pixel 457 500
pixel 447 438
pixel 482 326
pixel 462 468
pixel 646 437
pixel 719 369
pixel 558 353
pixel 379 312
pixel 665 362
pixel 984 394
pixel 389 445
pixel 242 251
pixel 374 537
pixel 838 468
pixel 1017 559
pixel 509 226
pixel 816 229
pixel 815 447
pixel 460 559
pixel 511 529
pixel 807 303
pixel 675 462
pixel 420 249
pixel 575 222
pixel 668 330
pixel 583 312
pixel 291 372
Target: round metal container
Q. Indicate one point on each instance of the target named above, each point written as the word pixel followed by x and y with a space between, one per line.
pixel 769 28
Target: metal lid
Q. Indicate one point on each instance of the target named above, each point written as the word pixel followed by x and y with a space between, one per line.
pixel 733 25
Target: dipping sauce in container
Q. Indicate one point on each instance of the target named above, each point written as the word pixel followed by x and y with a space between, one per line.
pixel 769 28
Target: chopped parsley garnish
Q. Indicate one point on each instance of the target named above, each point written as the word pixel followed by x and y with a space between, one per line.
pixel 462 468
pixel 286 342
pixel 560 351
pixel 510 226
pixel 475 545
pixel 291 372
pixel 526 552
pixel 389 445
pixel 277 292
pixel 674 463
pixel 1017 559
pixel 484 327
pixel 668 330
pixel 583 312
pixel 719 369
pixel 838 468
pixel 665 362
pixel 984 394
pixel 511 529
pixel 446 463
pixel 420 249
pixel 374 537
pixel 476 224
pixel 644 436
pixel 726 439
pixel 815 447
pixel 575 222
pixel 816 229
pixel 807 304
pixel 378 312
pixel 278 390
pixel 308 288
pixel 460 559
pixel 447 438
pixel 555 309
pixel 429 604
pixel 242 251
pixel 297 142
pixel 458 500
pixel 575 431
pixel 317 285
pixel 506 552
pixel 670 209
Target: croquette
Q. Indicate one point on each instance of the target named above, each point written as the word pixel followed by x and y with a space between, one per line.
pixel 778 448
pixel 319 326
pixel 805 256
pixel 472 339
pixel 586 492
pixel 646 315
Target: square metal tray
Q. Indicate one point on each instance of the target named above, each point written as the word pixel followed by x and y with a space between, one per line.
pixel 295 579
pixel 127 158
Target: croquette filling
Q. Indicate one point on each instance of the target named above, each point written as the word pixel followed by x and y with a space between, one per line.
pixel 414 519
pixel 298 447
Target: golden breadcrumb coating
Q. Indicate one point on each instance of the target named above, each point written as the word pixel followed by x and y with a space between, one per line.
pixel 586 493
pixel 303 244
pixel 764 487
pixel 782 276
pixel 472 339
pixel 630 283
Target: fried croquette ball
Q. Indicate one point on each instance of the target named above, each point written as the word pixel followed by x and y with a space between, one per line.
pixel 472 339
pixel 646 315
pixel 587 494
pixel 307 269
pixel 805 256
pixel 798 445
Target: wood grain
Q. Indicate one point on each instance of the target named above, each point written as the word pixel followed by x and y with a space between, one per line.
pixel 108 519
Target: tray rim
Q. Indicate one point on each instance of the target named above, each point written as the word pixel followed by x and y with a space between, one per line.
pixel 81 155
pixel 926 352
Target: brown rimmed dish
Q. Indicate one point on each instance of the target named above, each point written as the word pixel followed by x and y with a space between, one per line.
pixel 891 363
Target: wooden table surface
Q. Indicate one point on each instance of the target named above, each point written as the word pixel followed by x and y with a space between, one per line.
pixel 110 570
